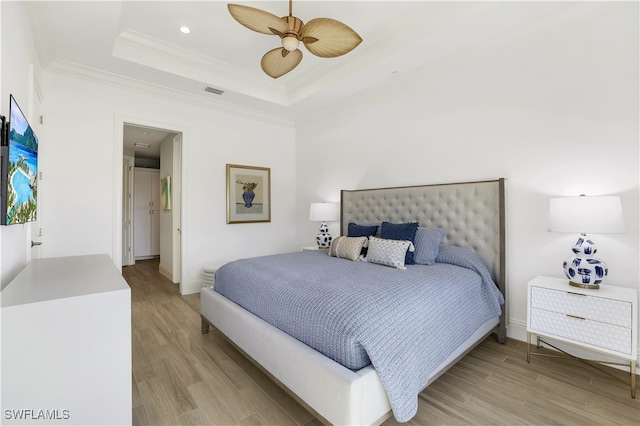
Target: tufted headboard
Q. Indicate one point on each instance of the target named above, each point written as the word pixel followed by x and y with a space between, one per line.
pixel 472 212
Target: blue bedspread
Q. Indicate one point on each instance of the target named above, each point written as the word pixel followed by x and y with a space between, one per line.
pixel 404 322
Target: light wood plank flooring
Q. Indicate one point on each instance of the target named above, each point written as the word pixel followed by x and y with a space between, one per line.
pixel 181 377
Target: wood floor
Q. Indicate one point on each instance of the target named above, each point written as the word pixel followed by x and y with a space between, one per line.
pixel 181 377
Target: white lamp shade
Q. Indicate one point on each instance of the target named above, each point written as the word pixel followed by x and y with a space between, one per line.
pixel 324 212
pixel 593 215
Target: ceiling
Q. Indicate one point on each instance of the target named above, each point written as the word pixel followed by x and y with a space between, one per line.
pixel 140 41
pixel 144 141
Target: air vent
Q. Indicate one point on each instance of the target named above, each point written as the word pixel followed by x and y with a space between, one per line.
pixel 213 90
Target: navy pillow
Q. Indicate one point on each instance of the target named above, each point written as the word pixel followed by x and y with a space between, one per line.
pixel 355 230
pixel 401 231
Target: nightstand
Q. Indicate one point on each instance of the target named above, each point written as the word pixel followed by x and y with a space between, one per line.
pixel 312 248
pixel 603 320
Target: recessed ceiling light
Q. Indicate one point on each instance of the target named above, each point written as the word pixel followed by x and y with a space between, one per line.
pixel 142 145
pixel 185 29
pixel 144 132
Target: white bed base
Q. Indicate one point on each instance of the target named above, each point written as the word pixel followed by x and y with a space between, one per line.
pixel 335 394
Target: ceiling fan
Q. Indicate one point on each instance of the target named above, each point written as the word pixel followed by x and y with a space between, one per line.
pixel 323 37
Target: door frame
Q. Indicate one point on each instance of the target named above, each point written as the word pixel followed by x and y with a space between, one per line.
pixel 128 257
pixel 177 202
pixel 34 229
pixel 120 120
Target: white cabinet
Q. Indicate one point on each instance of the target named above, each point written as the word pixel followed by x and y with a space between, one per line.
pixel 603 320
pixel 66 344
pixel 146 213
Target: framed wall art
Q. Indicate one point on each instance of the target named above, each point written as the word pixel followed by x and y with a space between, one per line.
pixel 165 193
pixel 248 194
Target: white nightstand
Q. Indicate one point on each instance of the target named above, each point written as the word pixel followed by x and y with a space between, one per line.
pixel 311 248
pixel 603 320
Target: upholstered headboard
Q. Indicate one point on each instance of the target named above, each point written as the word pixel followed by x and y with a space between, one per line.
pixel 472 212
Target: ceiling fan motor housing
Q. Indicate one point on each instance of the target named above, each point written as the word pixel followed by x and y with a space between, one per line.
pixel 291 38
pixel 295 25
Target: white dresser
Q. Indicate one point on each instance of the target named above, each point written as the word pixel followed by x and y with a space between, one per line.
pixel 603 320
pixel 66 344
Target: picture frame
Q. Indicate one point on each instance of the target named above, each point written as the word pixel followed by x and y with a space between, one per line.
pixel 165 193
pixel 248 194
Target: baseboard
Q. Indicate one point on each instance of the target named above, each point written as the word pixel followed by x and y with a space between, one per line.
pixel 517 330
pixel 166 273
pixel 192 287
pixel 146 258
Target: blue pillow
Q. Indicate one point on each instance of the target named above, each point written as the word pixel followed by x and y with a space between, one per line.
pixel 355 230
pixel 401 231
pixel 427 245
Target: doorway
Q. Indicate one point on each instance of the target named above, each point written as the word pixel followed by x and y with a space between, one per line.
pixel 151 197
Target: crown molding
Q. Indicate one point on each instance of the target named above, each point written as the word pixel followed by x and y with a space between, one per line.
pixel 101 77
pixel 144 50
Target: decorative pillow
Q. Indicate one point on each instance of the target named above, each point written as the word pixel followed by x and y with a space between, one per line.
pixel 428 245
pixel 401 231
pixel 388 252
pixel 347 247
pixel 356 230
pixel 362 230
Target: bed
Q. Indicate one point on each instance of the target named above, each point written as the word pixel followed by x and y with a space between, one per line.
pixel 472 213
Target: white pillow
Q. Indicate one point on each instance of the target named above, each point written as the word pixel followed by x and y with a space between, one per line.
pixel 388 252
pixel 347 247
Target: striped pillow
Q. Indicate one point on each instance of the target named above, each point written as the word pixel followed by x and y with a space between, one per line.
pixel 347 247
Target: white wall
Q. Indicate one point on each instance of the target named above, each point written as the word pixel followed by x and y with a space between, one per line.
pixel 81 136
pixel 19 66
pixel 555 112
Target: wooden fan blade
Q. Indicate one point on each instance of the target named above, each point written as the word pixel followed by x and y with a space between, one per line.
pixel 258 20
pixel 278 62
pixel 329 38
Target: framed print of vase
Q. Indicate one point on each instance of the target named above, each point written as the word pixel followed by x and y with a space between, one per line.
pixel 248 194
pixel 165 193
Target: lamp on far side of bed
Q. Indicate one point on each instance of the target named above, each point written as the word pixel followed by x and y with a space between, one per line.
pixel 324 212
pixel 599 215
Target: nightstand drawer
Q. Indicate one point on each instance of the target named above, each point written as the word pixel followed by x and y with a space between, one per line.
pixel 605 336
pixel 609 311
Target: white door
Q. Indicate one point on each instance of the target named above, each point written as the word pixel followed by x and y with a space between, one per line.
pixel 142 233
pixel 146 213
pixel 177 206
pixel 155 214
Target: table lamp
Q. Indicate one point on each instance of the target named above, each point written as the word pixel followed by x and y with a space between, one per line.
pixel 324 212
pixel 598 215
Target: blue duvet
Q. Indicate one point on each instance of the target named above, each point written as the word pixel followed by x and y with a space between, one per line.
pixel 404 322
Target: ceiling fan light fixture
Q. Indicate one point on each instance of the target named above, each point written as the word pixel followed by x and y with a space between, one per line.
pixel 290 43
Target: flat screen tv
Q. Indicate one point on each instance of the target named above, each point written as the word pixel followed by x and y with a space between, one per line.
pixel 19 169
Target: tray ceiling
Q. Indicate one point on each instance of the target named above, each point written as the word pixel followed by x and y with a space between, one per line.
pixel 141 41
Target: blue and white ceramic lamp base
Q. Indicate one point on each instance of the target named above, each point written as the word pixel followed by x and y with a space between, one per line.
pixel 324 237
pixel 582 269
